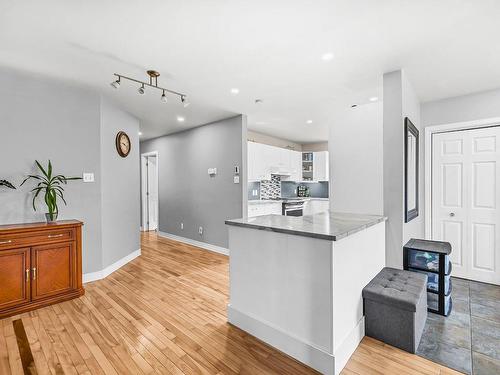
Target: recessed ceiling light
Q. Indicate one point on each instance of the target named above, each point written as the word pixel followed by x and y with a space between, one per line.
pixel 373 99
pixel 327 56
pixel 180 118
pixel 261 123
pixel 235 91
pixel 309 121
pixel 140 133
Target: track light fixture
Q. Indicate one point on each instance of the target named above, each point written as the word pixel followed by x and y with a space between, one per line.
pixel 153 82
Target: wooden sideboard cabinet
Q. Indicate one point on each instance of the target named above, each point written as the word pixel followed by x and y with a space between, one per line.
pixel 40 264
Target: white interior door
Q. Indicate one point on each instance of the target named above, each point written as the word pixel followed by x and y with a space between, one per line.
pixel 152 192
pixel 465 196
pixel 149 191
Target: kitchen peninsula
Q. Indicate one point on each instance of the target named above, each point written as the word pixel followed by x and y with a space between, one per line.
pixel 295 282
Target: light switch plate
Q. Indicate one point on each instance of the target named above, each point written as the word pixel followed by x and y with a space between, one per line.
pixel 236 179
pixel 88 177
pixel 212 171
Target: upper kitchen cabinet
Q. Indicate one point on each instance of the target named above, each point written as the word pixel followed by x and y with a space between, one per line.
pixel 295 166
pixel 320 166
pixel 264 160
pixel 258 162
pixel 315 166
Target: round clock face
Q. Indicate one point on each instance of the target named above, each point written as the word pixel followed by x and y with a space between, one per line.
pixel 123 144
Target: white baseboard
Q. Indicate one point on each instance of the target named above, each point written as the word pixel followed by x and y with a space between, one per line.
pixel 98 275
pixel 189 241
pixel 345 350
pixel 294 347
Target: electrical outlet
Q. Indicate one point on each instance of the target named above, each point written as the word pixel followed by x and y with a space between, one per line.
pixel 200 231
pixel 255 192
pixel 88 177
pixel 182 226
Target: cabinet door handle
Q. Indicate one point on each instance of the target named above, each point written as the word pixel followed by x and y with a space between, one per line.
pixel 27 274
pixel 55 235
pixel 5 242
pixel 34 272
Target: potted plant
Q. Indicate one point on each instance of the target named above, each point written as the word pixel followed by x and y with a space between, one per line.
pixel 7 184
pixel 52 187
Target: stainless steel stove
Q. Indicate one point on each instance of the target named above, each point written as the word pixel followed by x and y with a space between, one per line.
pixel 293 207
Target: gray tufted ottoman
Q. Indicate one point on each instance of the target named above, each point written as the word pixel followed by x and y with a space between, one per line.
pixel 395 304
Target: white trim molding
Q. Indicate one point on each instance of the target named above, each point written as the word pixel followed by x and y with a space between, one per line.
pixel 98 275
pixel 305 352
pixel 189 241
pixel 443 128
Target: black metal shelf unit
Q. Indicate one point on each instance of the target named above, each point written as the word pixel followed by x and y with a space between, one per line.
pixel 432 258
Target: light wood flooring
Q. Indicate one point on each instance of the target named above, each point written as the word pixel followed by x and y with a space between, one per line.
pixel 163 313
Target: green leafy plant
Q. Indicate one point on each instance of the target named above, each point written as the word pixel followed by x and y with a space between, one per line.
pixel 52 186
pixel 7 184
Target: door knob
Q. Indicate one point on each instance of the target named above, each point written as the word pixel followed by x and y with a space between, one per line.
pixel 452 214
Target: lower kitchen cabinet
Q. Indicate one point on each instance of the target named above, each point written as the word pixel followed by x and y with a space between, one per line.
pixel 314 206
pixel 40 264
pixel 264 208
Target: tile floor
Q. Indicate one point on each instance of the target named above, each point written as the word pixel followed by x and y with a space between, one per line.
pixel 469 339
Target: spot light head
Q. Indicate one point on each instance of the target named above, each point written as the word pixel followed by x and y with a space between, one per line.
pixel 163 97
pixel 184 101
pixel 141 90
pixel 115 84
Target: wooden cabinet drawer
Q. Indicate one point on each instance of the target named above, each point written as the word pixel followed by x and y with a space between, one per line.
pixel 35 238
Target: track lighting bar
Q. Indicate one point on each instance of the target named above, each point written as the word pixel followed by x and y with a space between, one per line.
pixel 153 82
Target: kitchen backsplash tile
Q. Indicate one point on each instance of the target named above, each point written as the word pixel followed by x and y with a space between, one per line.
pixel 253 186
pixel 271 189
pixel 316 189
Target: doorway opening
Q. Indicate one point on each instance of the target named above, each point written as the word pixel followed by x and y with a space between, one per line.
pixel 149 191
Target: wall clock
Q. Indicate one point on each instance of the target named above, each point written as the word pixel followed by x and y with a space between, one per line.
pixel 123 144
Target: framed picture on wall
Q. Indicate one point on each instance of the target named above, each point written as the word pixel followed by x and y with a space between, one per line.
pixel 411 170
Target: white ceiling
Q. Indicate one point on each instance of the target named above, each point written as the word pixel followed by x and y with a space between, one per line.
pixel 270 50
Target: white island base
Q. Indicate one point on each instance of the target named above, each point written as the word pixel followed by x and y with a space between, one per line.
pixel 302 294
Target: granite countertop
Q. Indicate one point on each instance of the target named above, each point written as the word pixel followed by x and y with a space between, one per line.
pixel 328 225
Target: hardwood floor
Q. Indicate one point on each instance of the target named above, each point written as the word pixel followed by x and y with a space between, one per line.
pixel 163 313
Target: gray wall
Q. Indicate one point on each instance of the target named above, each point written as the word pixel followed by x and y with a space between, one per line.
pixel 120 185
pixel 42 118
pixel 187 193
pixel 482 105
pixel 412 109
pixel 400 101
pixel 45 119
pixel 356 160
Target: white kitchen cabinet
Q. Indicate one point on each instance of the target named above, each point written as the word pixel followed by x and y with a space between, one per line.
pixel 320 166
pixel 258 156
pixel 316 205
pixel 264 208
pixel 295 166
pixel 264 160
